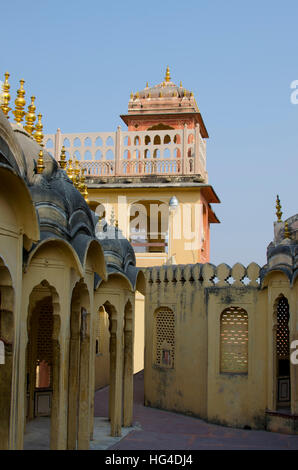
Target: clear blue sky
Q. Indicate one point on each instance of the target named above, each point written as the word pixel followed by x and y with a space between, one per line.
pixel 82 60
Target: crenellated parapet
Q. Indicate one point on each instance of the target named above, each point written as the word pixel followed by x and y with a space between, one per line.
pixel 204 275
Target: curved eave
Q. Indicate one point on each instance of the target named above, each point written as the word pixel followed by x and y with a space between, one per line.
pixel 16 190
pixel 95 250
pixel 64 245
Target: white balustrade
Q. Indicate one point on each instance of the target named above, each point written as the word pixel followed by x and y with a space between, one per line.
pixel 133 153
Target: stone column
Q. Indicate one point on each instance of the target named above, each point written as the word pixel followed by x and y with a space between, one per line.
pixel 58 144
pixel 5 399
pixel 118 152
pixel 115 401
pixel 55 411
pixel 128 377
pixel 74 355
pixel 198 158
pixel 184 151
pixel 84 396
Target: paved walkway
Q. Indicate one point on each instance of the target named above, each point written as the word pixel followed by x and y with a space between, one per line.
pixel 164 430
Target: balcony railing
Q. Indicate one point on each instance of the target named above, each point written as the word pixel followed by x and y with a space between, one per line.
pixel 132 153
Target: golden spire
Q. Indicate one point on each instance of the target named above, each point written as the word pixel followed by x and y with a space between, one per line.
pixel 191 93
pixel 82 181
pixel 184 92
pixel 137 95
pixel 180 84
pixel 39 139
pixel 38 136
pixel 160 94
pixel 131 96
pixel 76 180
pixel 278 209
pixel 149 95
pixel 167 77
pixel 69 170
pixel 62 161
pixel 147 86
pixel 287 233
pixel 85 193
pixel 20 103
pixel 40 166
pixel 30 117
pixel 6 96
pixel 82 186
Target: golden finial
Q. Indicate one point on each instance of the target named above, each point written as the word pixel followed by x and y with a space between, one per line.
pixel 69 170
pixel 85 193
pixel 38 136
pixel 184 92
pixel 167 77
pixel 147 86
pixel 76 179
pixel 137 95
pixel 287 233
pixel 149 95
pixel 160 94
pixel 30 117
pixel 6 96
pixel 174 93
pixel 191 93
pixel 180 84
pixel 62 161
pixel 82 181
pixel 20 103
pixel 278 209
pixel 131 96
pixel 40 166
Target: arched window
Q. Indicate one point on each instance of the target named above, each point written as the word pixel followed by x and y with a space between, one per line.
pixel 234 341
pixel 164 337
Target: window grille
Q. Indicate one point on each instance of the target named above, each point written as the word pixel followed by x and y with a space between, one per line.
pixel 282 333
pixel 234 340
pixel 165 337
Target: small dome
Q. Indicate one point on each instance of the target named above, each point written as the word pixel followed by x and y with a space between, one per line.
pixel 165 94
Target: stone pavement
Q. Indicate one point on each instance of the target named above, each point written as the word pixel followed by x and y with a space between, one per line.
pixel 37 434
pixel 164 430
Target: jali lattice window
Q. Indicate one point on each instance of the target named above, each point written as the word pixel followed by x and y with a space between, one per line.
pixel 282 333
pixel 164 337
pixel 234 341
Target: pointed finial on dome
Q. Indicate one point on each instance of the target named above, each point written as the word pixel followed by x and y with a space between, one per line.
pixel 30 117
pixel 278 209
pixel 5 96
pixel 147 86
pixel 287 233
pixel 40 166
pixel 62 161
pixel 131 96
pixel 167 77
pixel 76 180
pixel 20 103
pixel 69 170
pixel 38 136
pixel 180 84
